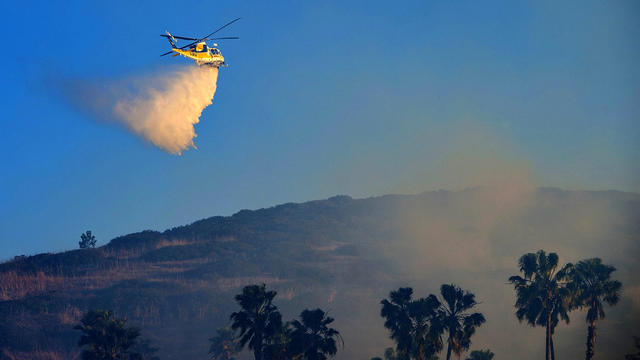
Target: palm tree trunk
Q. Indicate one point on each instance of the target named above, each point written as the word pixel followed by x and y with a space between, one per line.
pixel 553 352
pixel 547 349
pixel 257 346
pixel 591 340
pixel 449 350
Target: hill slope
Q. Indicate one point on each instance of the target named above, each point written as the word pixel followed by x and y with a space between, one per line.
pixel 341 254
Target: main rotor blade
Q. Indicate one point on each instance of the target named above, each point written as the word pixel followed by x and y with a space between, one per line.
pixel 179 37
pixel 167 53
pixel 222 38
pixel 206 36
pixel 222 27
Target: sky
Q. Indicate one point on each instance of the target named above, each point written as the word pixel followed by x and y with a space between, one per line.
pixel 362 98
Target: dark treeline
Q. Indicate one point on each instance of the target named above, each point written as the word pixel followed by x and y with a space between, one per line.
pixel 421 328
pixel 418 326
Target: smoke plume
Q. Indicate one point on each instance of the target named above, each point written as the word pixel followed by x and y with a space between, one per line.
pixel 161 109
pixel 165 116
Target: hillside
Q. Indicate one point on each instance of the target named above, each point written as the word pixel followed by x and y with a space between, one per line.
pixel 341 254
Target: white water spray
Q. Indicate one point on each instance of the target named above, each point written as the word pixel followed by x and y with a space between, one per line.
pixel 165 113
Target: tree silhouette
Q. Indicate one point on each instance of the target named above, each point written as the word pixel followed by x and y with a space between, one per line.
pixel 258 321
pixel 87 240
pixel 481 355
pixel 413 324
pixel 398 320
pixel 455 319
pixel 542 297
pixel 592 288
pixel 224 346
pixel 107 338
pixel 312 337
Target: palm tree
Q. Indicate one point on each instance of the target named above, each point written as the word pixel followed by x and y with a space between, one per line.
pixel 224 346
pixel 427 328
pixel 258 321
pixel 106 338
pixel 398 320
pixel 542 296
pixel 413 324
pixel 592 286
pixel 312 337
pixel 455 319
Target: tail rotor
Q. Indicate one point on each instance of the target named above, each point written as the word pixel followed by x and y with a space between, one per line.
pixel 171 39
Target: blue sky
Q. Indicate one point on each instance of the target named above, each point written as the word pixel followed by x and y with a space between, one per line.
pixel 321 98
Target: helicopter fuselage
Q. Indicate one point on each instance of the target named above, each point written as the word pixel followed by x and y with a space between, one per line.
pixel 203 55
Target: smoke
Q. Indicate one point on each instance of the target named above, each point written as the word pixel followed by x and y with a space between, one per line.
pixel 161 108
pixel 494 184
pixel 473 237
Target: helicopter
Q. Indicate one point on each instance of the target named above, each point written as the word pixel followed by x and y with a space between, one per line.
pixel 198 50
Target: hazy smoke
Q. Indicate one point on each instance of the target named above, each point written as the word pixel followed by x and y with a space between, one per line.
pixel 162 108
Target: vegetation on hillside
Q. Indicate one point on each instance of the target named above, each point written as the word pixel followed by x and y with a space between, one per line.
pixel 180 284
